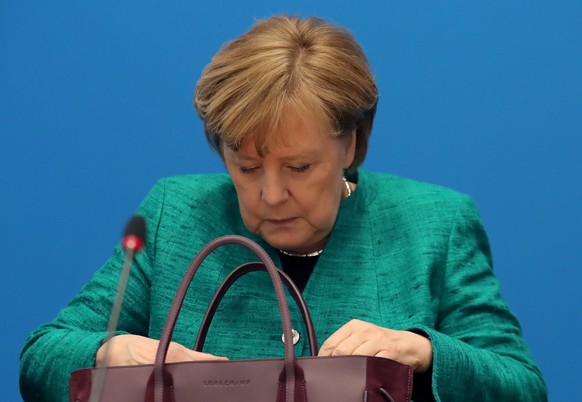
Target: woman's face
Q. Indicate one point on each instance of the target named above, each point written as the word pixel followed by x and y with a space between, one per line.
pixel 290 196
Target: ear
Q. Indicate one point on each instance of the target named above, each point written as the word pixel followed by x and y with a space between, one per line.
pixel 350 149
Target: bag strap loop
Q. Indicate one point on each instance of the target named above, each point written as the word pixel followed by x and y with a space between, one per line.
pixel 289 366
pixel 231 279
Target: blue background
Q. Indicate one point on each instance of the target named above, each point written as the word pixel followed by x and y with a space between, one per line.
pixel 482 96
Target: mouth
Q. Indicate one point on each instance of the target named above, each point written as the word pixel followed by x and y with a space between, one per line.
pixel 281 222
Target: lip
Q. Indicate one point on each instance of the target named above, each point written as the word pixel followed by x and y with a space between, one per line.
pixel 281 222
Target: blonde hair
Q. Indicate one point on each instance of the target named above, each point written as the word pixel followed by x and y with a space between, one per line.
pixel 287 64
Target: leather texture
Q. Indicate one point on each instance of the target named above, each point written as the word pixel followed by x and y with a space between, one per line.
pixel 291 379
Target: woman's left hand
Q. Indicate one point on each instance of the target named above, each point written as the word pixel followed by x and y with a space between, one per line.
pixel 363 338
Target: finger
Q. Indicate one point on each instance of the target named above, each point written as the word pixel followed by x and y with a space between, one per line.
pixel 333 342
pixel 370 348
pixel 198 356
pixel 387 355
pixel 350 345
pixel 179 353
pixel 339 336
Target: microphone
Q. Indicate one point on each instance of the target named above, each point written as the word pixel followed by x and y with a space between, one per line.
pixel 134 235
pixel 132 242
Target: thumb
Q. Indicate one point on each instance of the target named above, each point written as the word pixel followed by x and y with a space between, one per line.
pixel 195 355
pixel 204 356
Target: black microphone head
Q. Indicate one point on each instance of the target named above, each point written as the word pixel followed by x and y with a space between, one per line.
pixel 136 228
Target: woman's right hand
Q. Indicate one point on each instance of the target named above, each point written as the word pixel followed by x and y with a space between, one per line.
pixel 134 349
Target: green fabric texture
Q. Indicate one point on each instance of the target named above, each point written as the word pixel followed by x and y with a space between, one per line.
pixel 403 255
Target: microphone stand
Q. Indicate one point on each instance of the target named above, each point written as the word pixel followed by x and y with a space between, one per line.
pixel 132 243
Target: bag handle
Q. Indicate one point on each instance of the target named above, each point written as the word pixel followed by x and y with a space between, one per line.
pixel 236 274
pixel 289 363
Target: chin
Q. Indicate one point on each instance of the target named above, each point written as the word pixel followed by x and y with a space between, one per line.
pixel 285 243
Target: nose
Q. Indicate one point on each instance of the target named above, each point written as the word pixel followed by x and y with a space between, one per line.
pixel 273 190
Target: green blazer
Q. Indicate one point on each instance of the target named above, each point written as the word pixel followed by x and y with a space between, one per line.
pixel 403 255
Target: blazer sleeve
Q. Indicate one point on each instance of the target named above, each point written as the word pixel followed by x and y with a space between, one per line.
pixel 478 350
pixel 70 342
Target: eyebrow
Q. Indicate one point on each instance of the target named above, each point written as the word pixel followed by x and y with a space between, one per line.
pixel 286 158
pixel 246 158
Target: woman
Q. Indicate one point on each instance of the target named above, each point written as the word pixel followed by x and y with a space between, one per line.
pixel 389 267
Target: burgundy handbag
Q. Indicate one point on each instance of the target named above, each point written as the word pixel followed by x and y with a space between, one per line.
pixel 291 379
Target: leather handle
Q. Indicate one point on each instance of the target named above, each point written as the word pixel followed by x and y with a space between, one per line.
pixel 236 274
pixel 289 365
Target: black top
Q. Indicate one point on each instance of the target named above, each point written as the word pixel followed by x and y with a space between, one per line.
pixel 299 269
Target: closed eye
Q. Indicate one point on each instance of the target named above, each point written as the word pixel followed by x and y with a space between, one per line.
pixel 247 170
pixel 300 168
